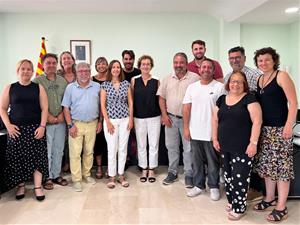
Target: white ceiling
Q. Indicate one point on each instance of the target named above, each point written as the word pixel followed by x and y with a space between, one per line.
pixel 245 11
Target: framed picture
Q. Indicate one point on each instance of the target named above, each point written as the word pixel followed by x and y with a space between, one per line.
pixel 81 50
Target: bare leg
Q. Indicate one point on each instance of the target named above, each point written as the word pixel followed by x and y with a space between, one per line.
pixel 283 188
pixel 270 189
pixel 37 179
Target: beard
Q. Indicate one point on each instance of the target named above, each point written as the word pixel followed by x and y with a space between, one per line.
pixel 180 70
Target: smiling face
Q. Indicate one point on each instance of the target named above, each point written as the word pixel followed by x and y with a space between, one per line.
pixel 116 71
pixel 50 66
pixel 67 60
pixel 128 62
pixel 145 66
pixel 102 67
pixel 25 71
pixel 236 60
pixel 206 70
pixel 83 74
pixel 179 65
pixel 198 51
pixel 265 63
pixel 237 84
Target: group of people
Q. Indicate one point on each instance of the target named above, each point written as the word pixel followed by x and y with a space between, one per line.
pixel 243 126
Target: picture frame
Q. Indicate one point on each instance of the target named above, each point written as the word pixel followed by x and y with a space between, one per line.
pixel 81 50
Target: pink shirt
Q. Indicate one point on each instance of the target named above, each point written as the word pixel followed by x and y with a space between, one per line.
pixel 193 67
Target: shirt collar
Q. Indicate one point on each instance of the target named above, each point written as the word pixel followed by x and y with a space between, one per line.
pixel 88 86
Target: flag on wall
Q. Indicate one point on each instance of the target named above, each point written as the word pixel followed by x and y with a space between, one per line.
pixel 39 69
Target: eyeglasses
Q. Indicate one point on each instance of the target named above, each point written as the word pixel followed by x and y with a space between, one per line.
pixel 236 82
pixel 237 58
pixel 83 71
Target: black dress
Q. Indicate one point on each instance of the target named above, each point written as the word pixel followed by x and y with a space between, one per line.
pixel 100 146
pixel 25 154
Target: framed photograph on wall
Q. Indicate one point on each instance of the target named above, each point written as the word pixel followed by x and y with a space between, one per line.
pixel 81 49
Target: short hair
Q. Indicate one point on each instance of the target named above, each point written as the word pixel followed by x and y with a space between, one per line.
pixel 199 42
pixel 245 82
pixel 19 64
pixel 128 52
pixel 272 52
pixel 60 62
pixel 100 60
pixel 182 54
pixel 82 64
pixel 143 57
pixel 237 49
pixel 109 75
pixel 49 55
pixel 211 61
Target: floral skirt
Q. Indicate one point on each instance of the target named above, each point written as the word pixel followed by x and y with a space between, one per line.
pixel 275 155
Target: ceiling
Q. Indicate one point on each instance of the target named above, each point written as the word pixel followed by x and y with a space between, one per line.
pixel 244 11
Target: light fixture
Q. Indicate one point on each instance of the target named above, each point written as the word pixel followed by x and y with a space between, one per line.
pixel 292 10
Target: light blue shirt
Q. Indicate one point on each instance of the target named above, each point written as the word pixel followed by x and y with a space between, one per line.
pixel 84 103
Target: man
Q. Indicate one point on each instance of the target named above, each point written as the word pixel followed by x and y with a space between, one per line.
pixel 56 128
pixel 237 59
pixel 81 110
pixel 171 93
pixel 198 103
pixel 199 49
pixel 129 70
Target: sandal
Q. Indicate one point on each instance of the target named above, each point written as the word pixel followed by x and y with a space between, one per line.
pixel 228 207
pixel 278 215
pixel 235 216
pixel 151 179
pixel 263 205
pixel 22 195
pixel 60 181
pixel 48 185
pixel 111 183
pixel 123 181
pixel 38 197
pixel 143 178
pixel 99 174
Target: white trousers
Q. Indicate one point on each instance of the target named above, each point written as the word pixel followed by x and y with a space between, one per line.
pixel 117 144
pixel 147 127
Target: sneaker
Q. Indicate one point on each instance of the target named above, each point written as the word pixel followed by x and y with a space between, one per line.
pixel 254 195
pixel 188 181
pixel 170 179
pixel 90 180
pixel 215 194
pixel 195 191
pixel 77 186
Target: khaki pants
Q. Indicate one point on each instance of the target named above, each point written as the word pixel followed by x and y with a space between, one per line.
pixel 84 141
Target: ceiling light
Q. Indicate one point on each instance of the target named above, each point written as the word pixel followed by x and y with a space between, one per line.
pixel 292 10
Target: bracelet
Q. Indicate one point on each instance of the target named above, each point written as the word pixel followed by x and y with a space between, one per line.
pixel 42 126
pixel 254 142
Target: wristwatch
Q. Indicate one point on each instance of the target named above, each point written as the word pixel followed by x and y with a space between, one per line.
pixel 70 125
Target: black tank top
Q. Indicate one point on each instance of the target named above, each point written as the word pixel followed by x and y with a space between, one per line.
pixel 98 81
pixel 145 103
pixel 273 102
pixel 24 104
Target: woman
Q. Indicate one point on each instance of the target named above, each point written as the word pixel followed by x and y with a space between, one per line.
pixel 117 111
pixel 277 96
pixel 67 71
pixel 26 153
pixel 100 147
pixel 236 127
pixel 146 117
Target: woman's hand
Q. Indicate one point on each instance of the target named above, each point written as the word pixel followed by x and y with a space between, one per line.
pixel 13 131
pixel 216 145
pixel 130 124
pixel 99 127
pixel 251 150
pixel 39 132
pixel 110 127
pixel 287 131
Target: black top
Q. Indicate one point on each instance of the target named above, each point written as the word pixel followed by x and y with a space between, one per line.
pixel 235 124
pixel 131 74
pixel 145 104
pixel 273 103
pixel 24 103
pixel 98 81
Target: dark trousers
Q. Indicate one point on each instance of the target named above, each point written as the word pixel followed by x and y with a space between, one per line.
pixel 237 168
pixel 202 153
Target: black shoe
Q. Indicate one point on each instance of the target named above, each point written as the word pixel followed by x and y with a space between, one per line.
pixel 170 179
pixel 21 196
pixel 41 197
pixel 188 181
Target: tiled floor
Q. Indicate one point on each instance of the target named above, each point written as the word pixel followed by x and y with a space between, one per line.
pixel 141 203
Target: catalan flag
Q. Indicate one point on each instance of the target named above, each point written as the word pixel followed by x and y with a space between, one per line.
pixel 39 69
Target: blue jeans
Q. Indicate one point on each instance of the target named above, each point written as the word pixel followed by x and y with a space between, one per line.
pixel 55 134
pixel 173 136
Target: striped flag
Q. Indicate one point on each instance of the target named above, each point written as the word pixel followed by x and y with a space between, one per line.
pixel 39 69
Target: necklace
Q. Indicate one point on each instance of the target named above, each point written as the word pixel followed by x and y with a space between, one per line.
pixel 263 85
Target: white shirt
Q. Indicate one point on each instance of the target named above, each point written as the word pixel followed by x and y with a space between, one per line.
pixel 203 99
